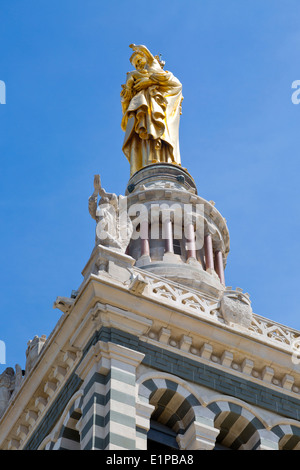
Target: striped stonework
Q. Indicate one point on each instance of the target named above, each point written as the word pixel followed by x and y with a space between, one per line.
pixel 116 394
pixel 121 421
pixel 65 435
pixel 240 429
pixel 92 424
pixel 176 407
pixel 288 437
pixel 109 403
pixel 143 415
pixel 218 424
pixel 70 438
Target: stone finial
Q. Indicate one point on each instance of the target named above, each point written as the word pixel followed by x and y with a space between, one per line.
pixel 33 350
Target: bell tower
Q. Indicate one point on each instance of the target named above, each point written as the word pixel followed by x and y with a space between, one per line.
pixel 179 235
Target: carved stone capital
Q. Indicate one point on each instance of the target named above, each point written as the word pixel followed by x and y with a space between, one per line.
pixel 104 355
pixel 199 436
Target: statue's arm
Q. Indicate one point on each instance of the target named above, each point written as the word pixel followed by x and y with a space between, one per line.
pixel 165 79
pixel 144 83
pixel 93 199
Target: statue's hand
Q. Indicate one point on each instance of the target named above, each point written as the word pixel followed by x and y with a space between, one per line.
pixel 142 84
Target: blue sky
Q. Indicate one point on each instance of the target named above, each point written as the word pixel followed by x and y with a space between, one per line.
pixel 63 63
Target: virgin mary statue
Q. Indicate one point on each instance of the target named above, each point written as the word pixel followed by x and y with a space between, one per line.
pixel 151 104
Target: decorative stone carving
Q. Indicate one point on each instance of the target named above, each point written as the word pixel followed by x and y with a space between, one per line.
pixel 7 381
pixel 137 284
pixel 33 350
pixel 10 382
pixel 236 309
pixel 18 378
pixel 114 226
pixel 64 304
pixel 265 330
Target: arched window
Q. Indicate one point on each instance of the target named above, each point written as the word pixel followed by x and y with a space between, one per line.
pixel 236 432
pixel 171 417
pixel 288 437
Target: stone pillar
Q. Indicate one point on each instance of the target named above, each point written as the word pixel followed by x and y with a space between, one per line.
pixel 144 259
pixel 91 427
pixel 168 235
pixel 209 256
pixel 144 232
pixel 190 238
pixel 219 266
pixel 109 409
pixel 199 436
pixel 143 415
pixel 268 440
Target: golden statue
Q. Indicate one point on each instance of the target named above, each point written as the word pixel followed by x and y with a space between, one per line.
pixel 151 105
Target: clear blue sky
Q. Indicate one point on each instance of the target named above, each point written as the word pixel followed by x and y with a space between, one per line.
pixel 63 62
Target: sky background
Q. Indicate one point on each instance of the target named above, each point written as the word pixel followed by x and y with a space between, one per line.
pixel 63 63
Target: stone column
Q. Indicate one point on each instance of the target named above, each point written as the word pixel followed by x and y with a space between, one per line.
pixel 268 440
pixel 219 266
pixel 109 409
pixel 168 235
pixel 143 415
pixel 190 238
pixel 144 259
pixel 209 256
pixel 144 232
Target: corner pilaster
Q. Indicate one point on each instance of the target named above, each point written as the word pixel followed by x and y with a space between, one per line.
pixel 109 403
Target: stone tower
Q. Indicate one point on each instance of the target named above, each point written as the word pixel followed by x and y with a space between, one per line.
pixel 154 351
